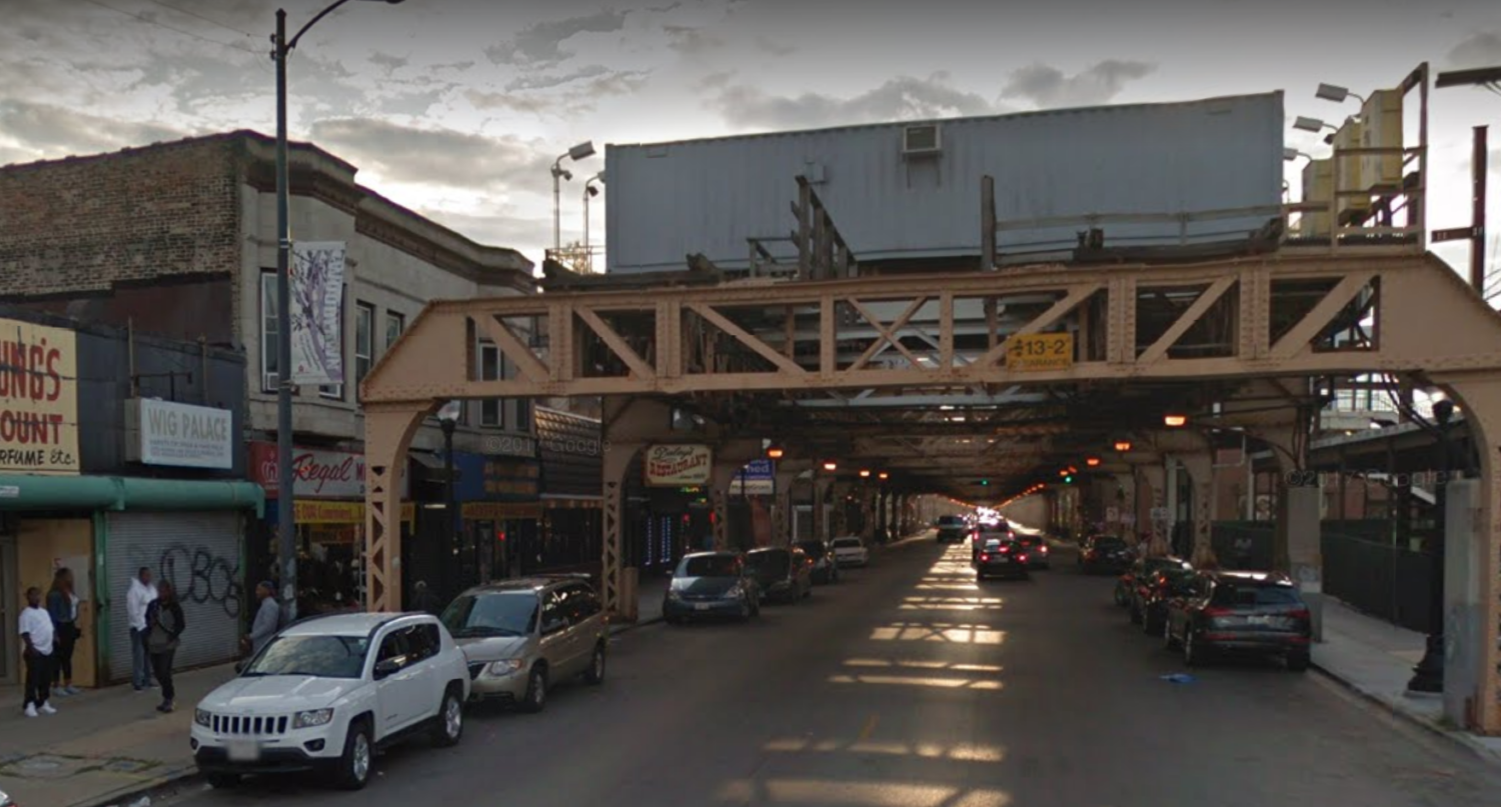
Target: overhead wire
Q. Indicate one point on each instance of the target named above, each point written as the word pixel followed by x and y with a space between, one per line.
pixel 183 31
pixel 210 20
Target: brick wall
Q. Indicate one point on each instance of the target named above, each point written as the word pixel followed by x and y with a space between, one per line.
pixel 89 225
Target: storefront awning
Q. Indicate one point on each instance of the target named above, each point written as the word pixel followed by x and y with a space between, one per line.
pixel 25 492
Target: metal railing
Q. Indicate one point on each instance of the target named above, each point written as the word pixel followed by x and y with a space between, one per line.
pixel 578 258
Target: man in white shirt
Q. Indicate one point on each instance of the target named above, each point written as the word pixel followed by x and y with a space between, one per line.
pixel 36 633
pixel 142 594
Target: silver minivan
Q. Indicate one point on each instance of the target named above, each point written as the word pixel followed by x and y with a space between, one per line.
pixel 522 636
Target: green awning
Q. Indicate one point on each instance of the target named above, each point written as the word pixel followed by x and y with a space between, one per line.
pixel 25 492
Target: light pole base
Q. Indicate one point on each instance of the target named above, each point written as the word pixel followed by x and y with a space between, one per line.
pixel 1428 675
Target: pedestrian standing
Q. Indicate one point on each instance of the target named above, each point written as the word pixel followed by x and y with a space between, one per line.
pixel 62 607
pixel 36 633
pixel 142 592
pixel 267 618
pixel 165 624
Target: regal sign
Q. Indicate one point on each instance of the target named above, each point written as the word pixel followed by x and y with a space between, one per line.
pixel 671 466
pixel 318 473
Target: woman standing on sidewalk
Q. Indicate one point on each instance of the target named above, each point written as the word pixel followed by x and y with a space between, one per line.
pixel 62 606
pixel 164 624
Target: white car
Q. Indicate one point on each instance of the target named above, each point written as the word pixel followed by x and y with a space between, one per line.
pixel 325 693
pixel 850 551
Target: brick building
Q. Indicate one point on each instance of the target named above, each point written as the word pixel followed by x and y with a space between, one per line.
pixel 178 240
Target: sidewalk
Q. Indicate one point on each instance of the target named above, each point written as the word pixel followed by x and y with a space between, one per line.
pixel 650 592
pixel 101 746
pixel 1375 658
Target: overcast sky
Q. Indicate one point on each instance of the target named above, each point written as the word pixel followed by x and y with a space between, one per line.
pixel 457 107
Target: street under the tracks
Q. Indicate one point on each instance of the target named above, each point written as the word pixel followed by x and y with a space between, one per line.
pixel 907 685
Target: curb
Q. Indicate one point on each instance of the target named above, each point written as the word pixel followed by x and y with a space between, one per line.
pixel 172 779
pixel 627 627
pixel 1457 738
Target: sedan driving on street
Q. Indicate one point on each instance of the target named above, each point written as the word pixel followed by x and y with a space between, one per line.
pixel 711 584
pixel 783 575
pixel 1240 612
pixel 1036 548
pixel 1001 558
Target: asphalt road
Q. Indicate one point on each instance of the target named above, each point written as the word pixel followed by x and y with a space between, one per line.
pixel 906 686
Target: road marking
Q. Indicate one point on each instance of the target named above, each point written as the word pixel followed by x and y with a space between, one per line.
pixel 870 727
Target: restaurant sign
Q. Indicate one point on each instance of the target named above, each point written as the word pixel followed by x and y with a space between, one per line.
pixel 676 465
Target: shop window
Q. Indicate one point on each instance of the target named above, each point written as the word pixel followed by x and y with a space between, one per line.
pixel 396 324
pixel 270 330
pixel 364 341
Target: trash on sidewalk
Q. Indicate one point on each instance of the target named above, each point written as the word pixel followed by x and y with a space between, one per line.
pixel 1179 678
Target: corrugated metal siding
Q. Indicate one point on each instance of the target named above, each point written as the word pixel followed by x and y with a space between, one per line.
pixel 709 196
pixel 199 553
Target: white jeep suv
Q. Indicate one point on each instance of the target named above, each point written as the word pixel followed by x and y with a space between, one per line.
pixel 326 692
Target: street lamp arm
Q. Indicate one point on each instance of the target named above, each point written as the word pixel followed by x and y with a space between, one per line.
pixel 292 43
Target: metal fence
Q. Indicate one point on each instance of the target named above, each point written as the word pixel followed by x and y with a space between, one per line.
pixel 1362 565
pixel 1381 579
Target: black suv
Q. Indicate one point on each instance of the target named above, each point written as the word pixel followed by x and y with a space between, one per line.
pixel 1240 612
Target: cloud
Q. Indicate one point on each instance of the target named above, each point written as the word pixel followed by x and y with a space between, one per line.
pixel 389 62
pixel 515 102
pixel 574 91
pixel 533 81
pixel 691 41
pixel 1480 49
pixel 434 156
pixel 542 44
pixel 901 98
pixel 53 131
pixel 1047 86
pixel 775 48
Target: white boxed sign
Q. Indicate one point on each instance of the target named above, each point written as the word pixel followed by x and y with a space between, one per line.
pixel 185 436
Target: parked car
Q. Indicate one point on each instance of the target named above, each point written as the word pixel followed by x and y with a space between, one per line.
pixel 1001 558
pixel 711 584
pixel 1036 548
pixel 825 569
pixel 326 692
pixel 1240 612
pixel 5 801
pixel 949 521
pixel 850 551
pixel 1105 553
pixel 783 575
pixel 521 636
pixel 1154 593
pixel 1128 586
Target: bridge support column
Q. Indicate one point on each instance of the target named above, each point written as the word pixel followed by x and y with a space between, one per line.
pixel 1200 468
pixel 389 429
pixel 617 583
pixel 786 477
pixel 1152 479
pixel 730 457
pixel 1123 500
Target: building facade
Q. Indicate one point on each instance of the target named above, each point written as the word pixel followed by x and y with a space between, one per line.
pixel 120 451
pixel 179 240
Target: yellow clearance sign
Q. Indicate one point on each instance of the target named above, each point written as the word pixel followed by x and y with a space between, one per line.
pixel 38 399
pixel 1040 351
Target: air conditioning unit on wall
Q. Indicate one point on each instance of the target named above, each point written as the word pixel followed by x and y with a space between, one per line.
pixel 921 140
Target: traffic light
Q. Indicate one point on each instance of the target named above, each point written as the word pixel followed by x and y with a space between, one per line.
pixel 984 483
pixel 1068 480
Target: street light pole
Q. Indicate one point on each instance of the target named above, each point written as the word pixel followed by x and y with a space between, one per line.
pixel 1428 675
pixel 286 546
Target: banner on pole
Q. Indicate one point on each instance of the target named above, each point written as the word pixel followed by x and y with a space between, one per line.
pixel 317 281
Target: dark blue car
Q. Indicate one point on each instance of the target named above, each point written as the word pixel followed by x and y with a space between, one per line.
pixel 711 584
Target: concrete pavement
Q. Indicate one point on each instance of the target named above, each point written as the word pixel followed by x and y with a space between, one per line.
pixel 1376 658
pixel 908 685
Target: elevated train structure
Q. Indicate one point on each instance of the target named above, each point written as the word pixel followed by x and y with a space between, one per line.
pixel 975 365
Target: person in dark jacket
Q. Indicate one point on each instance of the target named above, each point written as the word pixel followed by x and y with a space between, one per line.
pixel 164 626
pixel 62 606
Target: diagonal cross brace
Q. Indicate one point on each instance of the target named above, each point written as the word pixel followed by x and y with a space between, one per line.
pixel 1191 316
pixel 526 361
pixel 888 335
pixel 1296 340
pixel 745 338
pixel 616 343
